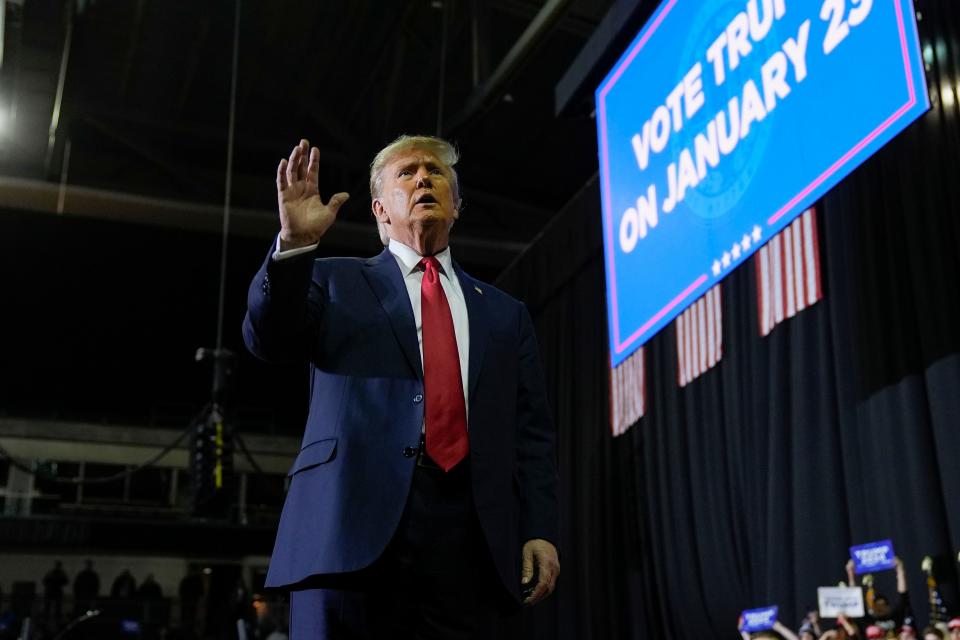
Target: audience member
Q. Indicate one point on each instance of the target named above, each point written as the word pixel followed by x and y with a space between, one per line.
pixel 150 589
pixel 808 632
pixel 932 633
pixel 954 627
pixel 86 588
pixel 778 632
pixel 888 619
pixel 124 586
pixel 191 592
pixel 810 628
pixel 53 584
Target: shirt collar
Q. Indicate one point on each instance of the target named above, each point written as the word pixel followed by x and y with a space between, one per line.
pixel 409 259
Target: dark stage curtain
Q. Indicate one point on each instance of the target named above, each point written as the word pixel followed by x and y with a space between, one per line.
pixel 747 487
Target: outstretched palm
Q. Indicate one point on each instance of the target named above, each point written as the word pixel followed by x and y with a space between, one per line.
pixel 304 218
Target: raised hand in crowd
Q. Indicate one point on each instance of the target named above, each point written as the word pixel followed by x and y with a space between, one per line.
pixel 901 575
pixel 846 628
pixel 784 631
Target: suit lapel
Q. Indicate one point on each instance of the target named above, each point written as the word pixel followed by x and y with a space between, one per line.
pixel 477 312
pixel 385 279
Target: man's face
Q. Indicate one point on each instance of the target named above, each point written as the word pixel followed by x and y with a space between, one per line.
pixel 955 633
pixel 416 199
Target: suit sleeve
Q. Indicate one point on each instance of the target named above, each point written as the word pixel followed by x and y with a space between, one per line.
pixel 536 444
pixel 283 309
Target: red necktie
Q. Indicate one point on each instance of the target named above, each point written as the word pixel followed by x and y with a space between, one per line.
pixel 446 413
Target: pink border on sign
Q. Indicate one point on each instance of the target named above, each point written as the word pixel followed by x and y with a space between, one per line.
pixel 605 158
pixel 619 346
pixel 870 137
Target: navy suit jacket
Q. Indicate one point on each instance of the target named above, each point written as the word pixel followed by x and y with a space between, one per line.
pixel 352 320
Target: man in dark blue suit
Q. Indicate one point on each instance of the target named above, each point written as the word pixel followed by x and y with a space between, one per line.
pixel 424 497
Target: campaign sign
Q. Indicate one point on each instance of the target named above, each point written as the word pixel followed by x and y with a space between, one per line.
pixel 759 619
pixel 722 121
pixel 130 627
pixel 835 601
pixel 873 556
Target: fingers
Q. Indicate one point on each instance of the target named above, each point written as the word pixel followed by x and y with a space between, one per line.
pixel 303 164
pixel 298 177
pixel 282 175
pixel 526 572
pixel 337 200
pixel 546 584
pixel 292 163
pixel 313 168
pixel 302 156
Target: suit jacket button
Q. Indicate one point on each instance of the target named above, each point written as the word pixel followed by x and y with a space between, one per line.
pixel 418 398
pixel 409 452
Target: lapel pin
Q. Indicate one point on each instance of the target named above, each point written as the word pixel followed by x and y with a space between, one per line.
pixel 478 289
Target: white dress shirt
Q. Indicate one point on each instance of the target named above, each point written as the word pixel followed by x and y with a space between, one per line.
pixel 408 260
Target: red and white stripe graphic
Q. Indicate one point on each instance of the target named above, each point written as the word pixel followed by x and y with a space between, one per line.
pixel 699 337
pixel 788 272
pixel 627 393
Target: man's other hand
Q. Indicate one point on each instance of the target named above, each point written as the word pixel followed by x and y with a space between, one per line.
pixel 304 218
pixel 543 555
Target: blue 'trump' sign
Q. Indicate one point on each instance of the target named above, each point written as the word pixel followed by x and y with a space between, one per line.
pixel 722 121
pixel 873 556
pixel 759 619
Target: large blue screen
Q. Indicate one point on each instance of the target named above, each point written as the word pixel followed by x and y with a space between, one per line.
pixel 725 119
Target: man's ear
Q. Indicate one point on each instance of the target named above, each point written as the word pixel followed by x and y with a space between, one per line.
pixel 379 212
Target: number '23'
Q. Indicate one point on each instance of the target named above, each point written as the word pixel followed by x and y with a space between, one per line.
pixel 839 28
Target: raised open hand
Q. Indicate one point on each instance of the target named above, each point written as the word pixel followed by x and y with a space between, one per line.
pixel 304 218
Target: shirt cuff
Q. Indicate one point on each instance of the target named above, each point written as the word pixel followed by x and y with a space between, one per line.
pixel 279 255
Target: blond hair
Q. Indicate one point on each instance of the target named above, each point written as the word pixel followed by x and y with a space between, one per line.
pixel 445 152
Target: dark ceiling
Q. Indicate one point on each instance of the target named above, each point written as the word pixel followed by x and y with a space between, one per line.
pixel 111 297
pixel 146 98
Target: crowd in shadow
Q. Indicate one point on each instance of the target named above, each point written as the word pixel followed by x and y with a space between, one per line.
pixel 207 606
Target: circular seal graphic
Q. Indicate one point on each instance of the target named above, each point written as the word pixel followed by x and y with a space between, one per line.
pixel 723 186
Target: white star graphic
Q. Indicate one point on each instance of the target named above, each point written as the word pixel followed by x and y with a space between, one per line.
pixel 745 242
pixel 735 251
pixel 716 267
pixel 726 259
pixel 756 233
